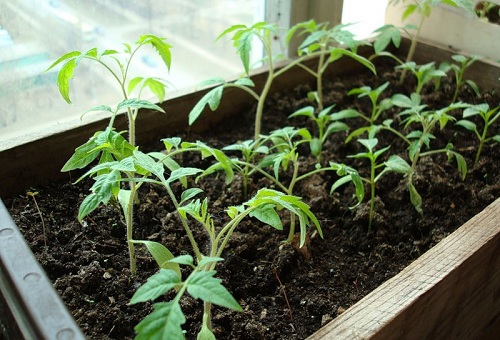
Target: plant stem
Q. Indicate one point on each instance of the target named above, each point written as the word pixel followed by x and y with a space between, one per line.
pixel 319 80
pixel 372 192
pixel 413 47
pixel 129 220
pixel 260 104
pixel 291 233
pixel 196 249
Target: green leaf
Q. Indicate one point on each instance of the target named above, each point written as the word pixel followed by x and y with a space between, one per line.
pixel 307 111
pixel 206 260
pixel 245 81
pixel 84 155
pixel 212 98
pixel 135 103
pixel 160 45
pixel 163 323
pixel 89 204
pixel 149 164
pixel 124 200
pixel 162 256
pixel 105 186
pixel 182 172
pixel 189 194
pixel 203 285
pixel 387 33
pixel 266 213
pixel 316 146
pixel 467 124
pixel 398 165
pixel 186 260
pixel 66 56
pixel 156 285
pixel 205 334
pixel 63 77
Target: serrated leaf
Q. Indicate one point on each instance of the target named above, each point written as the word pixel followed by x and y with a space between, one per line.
pixel 206 260
pixel 89 204
pixel 66 56
pixel 189 194
pixel 212 98
pixel 156 285
pixel 83 156
pixel 135 103
pixel 182 172
pixel 162 47
pixel 132 84
pixel 63 77
pixel 149 164
pixel 245 81
pixel 307 111
pixel 163 323
pixel 203 285
pixel 186 260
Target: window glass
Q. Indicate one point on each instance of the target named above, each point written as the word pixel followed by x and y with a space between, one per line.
pixel 34 33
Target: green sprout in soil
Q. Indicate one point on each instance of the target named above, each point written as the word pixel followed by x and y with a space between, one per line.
pixel 488 116
pixel 323 41
pixel 459 70
pixel 311 48
pixel 109 146
pixel 424 9
pixel 424 73
pixel 282 156
pixel 423 124
pixel 377 170
pixel 326 122
pixel 32 194
pixel 264 206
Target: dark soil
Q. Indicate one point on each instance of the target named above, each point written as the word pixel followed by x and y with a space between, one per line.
pixel 286 292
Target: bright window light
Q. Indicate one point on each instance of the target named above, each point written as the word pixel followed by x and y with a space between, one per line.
pixel 34 33
pixel 364 15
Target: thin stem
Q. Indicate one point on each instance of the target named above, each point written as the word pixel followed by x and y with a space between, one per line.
pixel 289 191
pixel 372 192
pixel 319 80
pixel 129 220
pixel 196 249
pixel 413 47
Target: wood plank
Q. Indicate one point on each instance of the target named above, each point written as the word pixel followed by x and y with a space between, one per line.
pixel 450 292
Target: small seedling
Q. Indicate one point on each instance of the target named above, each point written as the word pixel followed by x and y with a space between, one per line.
pixel 377 170
pixel 424 73
pixel 424 9
pixel 168 317
pixel 33 194
pixel 326 122
pixel 378 106
pixel 282 156
pixel 423 124
pixel 109 146
pixel 324 41
pixel 242 38
pixel 459 70
pixel 489 116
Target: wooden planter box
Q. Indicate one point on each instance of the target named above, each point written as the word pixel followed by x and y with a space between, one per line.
pixel 452 291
